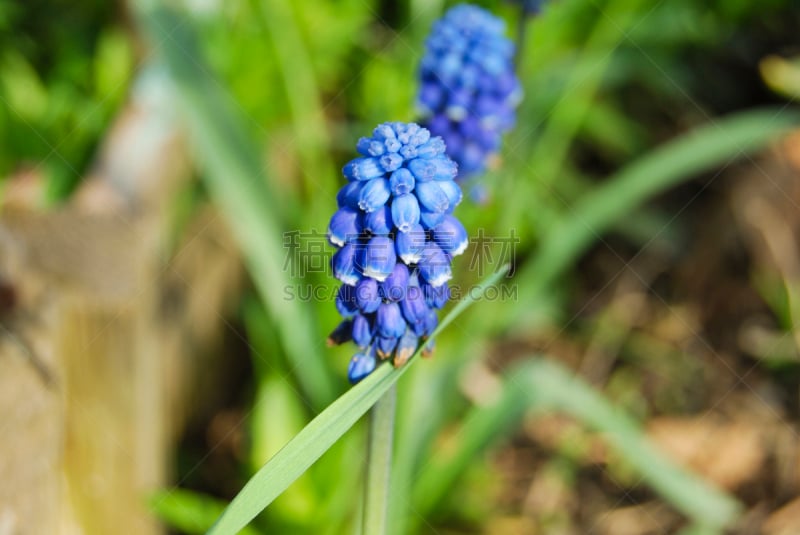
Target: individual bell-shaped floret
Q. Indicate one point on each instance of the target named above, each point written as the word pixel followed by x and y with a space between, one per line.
pixel 435 265
pixel 379 258
pixel 394 287
pixel 361 365
pixel 345 226
pixel 344 264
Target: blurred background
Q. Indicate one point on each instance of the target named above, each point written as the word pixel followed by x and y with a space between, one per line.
pixel 168 173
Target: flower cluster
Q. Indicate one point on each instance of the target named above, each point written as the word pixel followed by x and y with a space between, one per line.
pixel 396 238
pixel 469 91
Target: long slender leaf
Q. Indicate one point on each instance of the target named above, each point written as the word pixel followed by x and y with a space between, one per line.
pixel 189 511
pixel 704 148
pixel 303 96
pixel 564 120
pixel 543 385
pixel 552 387
pixel 254 210
pixel 483 426
pixel 321 433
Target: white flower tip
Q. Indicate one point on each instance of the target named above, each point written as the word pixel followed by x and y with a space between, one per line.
pixel 460 249
pixel 411 258
pixel 350 280
pixel 338 241
pixel 440 279
pixel 377 275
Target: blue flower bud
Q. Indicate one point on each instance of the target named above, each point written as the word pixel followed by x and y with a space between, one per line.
pixel 403 131
pixel 346 301
pixel 434 266
pixel 420 137
pixel 406 347
pixel 389 321
pixel 405 212
pixel 394 287
pixel 370 147
pixel 341 334
pixel 384 346
pixel 409 245
pixel 379 258
pixel 360 366
pixel 435 297
pixel 453 193
pixel 445 168
pixel 419 327
pixel 344 226
pixel 391 161
pixel 422 169
pixel 368 296
pixel 384 132
pixel 429 219
pixel 374 194
pixel 408 152
pixel 344 266
pixel 362 333
pixel 432 148
pixel 413 305
pixel 401 182
pixel 431 197
pixel 349 195
pixel 431 322
pixel 379 222
pixel 451 236
pixel 392 145
pixel 363 169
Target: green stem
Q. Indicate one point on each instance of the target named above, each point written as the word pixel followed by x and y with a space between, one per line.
pixel 379 464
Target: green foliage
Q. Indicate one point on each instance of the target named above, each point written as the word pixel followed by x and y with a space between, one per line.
pixel 189 511
pixel 319 435
pixel 543 386
pixel 62 78
pixel 330 74
pixel 624 100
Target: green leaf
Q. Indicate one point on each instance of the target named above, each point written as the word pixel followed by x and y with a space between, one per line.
pixel 545 386
pixel 706 147
pixel 321 433
pixel 188 511
pixel 552 387
pixel 254 208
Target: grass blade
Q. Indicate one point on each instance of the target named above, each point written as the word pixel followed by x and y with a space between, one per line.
pixel 321 433
pixel 188 511
pixel 704 148
pixel 544 385
pixel 552 387
pixel 234 174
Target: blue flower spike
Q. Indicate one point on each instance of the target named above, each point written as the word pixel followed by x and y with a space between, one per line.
pixel 396 237
pixel 468 89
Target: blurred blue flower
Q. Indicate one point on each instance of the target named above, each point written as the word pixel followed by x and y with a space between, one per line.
pixel 396 237
pixel 529 7
pixel 469 92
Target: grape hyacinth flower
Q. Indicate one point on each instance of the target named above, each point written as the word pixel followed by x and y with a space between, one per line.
pixel 529 7
pixel 469 91
pixel 396 237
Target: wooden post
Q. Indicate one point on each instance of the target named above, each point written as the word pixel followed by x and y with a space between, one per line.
pixel 94 353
